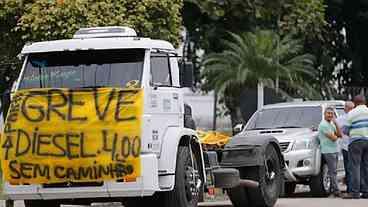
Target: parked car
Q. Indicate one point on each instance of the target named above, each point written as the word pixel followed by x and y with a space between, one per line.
pixel 295 126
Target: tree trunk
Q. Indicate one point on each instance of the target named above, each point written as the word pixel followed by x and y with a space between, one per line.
pixel 232 102
pixel 214 123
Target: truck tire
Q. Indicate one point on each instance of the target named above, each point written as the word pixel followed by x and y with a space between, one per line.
pixel 41 203
pixel 289 189
pixel 238 196
pixel 320 184
pixel 270 178
pixel 184 193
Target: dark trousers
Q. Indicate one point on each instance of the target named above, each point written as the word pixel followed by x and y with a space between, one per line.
pixel 358 154
pixel 331 160
pixel 347 167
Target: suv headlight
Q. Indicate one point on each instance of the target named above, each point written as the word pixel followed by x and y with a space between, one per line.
pixel 303 144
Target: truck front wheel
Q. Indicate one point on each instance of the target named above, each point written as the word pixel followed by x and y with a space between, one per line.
pixel 270 178
pixel 188 183
pixel 238 196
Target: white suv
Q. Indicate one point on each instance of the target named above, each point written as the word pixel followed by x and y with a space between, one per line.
pixel 295 126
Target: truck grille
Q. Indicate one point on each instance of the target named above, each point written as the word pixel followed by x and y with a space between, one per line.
pixel 284 146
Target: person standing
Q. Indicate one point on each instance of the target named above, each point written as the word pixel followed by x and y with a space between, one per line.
pixel 357 128
pixel 328 134
pixel 344 143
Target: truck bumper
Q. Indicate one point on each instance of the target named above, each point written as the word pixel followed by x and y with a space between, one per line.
pixel 145 185
pixel 301 164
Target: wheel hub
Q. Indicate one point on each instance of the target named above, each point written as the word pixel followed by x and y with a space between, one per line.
pixel 193 182
pixel 270 171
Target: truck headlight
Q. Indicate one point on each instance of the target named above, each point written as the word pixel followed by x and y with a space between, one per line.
pixel 303 144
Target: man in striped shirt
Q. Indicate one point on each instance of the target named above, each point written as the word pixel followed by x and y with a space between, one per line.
pixel 357 128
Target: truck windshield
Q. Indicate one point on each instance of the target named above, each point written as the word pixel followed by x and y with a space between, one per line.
pixel 83 69
pixel 290 117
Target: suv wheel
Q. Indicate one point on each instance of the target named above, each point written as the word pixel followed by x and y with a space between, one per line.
pixel 320 184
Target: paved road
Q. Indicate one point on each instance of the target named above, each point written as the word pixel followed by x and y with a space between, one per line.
pixel 290 202
pixel 305 202
pixel 300 199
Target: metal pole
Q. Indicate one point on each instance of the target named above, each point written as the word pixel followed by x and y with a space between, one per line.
pixel 278 50
pixel 260 95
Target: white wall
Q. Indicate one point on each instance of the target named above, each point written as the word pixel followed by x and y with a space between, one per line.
pixel 203 113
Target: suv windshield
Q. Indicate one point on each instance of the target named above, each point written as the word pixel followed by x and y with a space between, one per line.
pixel 290 117
pixel 82 69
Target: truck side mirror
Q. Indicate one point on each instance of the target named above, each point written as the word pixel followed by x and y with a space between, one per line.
pixel 5 103
pixel 238 128
pixel 186 75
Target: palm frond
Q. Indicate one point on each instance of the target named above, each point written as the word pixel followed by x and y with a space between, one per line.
pixel 259 55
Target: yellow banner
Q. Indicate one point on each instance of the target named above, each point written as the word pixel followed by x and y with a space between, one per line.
pixel 61 135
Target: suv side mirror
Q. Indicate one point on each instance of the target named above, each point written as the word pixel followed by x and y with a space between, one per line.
pixel 20 56
pixel 186 75
pixel 238 128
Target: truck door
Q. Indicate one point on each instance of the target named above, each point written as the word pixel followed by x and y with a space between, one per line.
pixel 164 99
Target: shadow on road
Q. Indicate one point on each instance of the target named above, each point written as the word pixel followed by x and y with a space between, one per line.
pixel 303 191
pixel 301 195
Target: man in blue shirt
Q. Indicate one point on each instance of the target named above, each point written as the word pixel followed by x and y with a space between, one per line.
pixel 328 134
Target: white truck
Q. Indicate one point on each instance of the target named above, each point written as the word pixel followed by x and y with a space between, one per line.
pixel 172 163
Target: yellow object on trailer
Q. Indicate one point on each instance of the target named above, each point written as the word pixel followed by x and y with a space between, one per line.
pixel 213 139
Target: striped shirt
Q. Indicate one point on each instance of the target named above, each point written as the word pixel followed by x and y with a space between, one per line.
pixel 357 123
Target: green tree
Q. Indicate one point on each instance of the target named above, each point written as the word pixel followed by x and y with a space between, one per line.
pixel 46 20
pixel 251 57
pixel 208 21
pixel 10 42
pixel 348 48
pixel 37 20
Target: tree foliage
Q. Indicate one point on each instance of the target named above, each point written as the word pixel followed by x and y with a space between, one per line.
pixel 36 20
pixel 10 43
pixel 45 19
pixel 349 48
pixel 333 30
pixel 252 57
pixel 305 18
pixel 207 21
